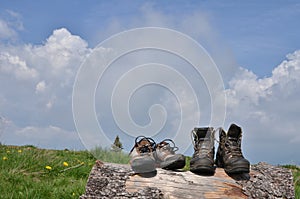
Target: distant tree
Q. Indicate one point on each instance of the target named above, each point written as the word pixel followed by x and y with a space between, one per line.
pixel 117 145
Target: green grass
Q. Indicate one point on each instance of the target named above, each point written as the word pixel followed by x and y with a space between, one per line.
pixel 187 163
pixel 24 175
pixel 296 173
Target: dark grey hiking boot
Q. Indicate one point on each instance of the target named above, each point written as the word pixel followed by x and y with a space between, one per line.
pixel 203 157
pixel 229 155
pixel 166 156
pixel 142 155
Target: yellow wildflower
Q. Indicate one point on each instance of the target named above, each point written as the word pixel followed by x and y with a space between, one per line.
pixel 73 194
pixel 4 158
pixel 48 167
pixel 19 151
pixel 8 151
pixel 65 164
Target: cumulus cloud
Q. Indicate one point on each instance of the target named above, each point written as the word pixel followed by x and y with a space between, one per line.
pixel 45 74
pixel 246 87
pixel 61 50
pixel 13 64
pixel 268 108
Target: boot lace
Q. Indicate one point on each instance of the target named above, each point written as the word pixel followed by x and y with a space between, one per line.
pixel 165 144
pixel 144 144
pixel 200 144
pixel 234 147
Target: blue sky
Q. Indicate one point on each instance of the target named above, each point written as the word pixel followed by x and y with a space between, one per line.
pixel 256 44
pixel 260 34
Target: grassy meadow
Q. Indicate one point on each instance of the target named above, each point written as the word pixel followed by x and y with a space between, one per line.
pixel 33 173
pixel 29 172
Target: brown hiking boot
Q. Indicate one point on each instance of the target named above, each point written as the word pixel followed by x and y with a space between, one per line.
pixel 203 157
pixel 141 155
pixel 229 155
pixel 166 157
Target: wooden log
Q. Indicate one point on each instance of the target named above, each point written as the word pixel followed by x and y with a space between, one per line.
pixel 109 180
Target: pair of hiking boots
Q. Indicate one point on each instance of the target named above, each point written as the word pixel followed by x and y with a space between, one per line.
pixel 229 154
pixel 146 155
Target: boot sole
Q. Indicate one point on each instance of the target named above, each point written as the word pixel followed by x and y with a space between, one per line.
pixel 173 163
pixel 203 169
pixel 170 165
pixel 237 170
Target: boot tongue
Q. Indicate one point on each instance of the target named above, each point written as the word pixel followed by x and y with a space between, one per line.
pixel 234 131
pixel 202 132
pixel 163 144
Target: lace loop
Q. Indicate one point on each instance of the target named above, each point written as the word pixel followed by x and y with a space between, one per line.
pixel 164 144
pixel 145 148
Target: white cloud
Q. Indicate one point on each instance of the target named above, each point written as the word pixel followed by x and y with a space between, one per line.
pixel 288 70
pixel 62 50
pixel 245 86
pixel 50 136
pixel 5 31
pixel 12 64
pixel 9 25
pixel 268 108
pixel 49 70
pixel 51 102
pixel 14 20
pixel 40 87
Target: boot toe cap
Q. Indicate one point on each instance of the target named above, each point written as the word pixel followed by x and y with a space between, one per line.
pixel 143 164
pixel 202 165
pixel 238 165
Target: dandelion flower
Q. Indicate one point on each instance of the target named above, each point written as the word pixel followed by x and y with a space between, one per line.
pixel 65 164
pixel 48 167
pixel 73 194
pixel 8 151
pixel 4 158
pixel 19 151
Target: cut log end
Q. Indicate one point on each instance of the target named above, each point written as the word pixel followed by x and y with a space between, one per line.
pixel 109 180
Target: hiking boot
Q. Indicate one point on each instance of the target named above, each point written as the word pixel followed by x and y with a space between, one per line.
pixel 166 157
pixel 141 155
pixel 229 155
pixel 203 157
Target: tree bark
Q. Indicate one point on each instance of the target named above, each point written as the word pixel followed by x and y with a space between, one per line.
pixel 109 180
